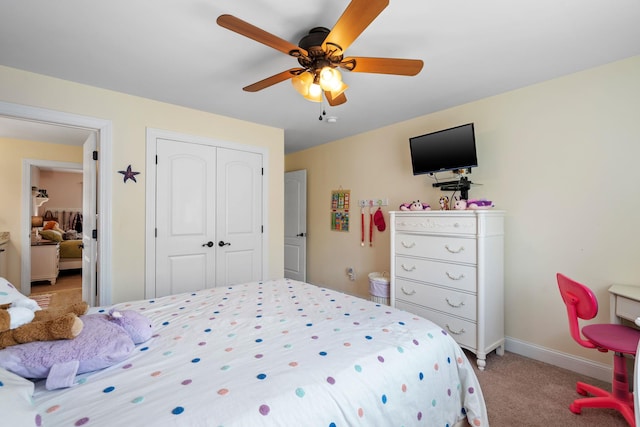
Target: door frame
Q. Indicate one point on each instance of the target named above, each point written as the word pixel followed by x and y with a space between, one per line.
pixel 150 196
pixel 104 134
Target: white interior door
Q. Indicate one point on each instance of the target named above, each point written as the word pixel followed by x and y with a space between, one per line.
pixel 89 222
pixel 239 217
pixel 295 225
pixel 185 217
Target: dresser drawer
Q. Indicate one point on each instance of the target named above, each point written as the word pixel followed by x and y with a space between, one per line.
pixel 461 277
pixel 453 302
pixel 440 224
pixel 627 308
pixel 463 331
pixel 456 249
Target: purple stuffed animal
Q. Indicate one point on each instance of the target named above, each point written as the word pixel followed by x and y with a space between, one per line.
pixel 472 204
pixel 479 204
pixel 105 340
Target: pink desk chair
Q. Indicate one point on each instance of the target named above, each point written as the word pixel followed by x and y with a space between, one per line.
pixel 582 303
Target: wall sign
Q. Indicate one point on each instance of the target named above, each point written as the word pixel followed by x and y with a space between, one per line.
pixel 340 201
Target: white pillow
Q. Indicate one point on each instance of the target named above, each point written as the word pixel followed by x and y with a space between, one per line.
pixel 9 294
pixel 16 404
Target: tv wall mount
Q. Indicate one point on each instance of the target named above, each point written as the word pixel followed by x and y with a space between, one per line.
pixel 463 185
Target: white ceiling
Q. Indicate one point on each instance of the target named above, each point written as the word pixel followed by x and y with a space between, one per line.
pixel 173 51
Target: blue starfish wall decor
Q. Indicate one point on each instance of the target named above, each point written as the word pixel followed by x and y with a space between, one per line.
pixel 129 174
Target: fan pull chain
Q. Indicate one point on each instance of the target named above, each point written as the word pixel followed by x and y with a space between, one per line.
pixel 322 111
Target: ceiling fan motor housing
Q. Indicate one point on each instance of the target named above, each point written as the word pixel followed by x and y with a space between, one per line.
pixel 318 57
pixel 314 39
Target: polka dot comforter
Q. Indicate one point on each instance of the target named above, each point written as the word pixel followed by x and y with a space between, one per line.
pixel 276 353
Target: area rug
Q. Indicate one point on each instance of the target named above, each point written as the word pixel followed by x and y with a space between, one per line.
pixel 65 298
pixel 43 300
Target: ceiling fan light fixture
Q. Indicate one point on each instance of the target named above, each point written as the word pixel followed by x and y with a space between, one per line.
pixel 330 78
pixel 315 93
pixel 302 82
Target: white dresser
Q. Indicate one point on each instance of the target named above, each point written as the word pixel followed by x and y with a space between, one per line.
pixel 448 267
pixel 44 261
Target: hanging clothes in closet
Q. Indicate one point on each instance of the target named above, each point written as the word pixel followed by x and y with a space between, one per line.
pixel 77 222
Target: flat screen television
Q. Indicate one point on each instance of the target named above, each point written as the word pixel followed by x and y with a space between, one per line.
pixel 445 150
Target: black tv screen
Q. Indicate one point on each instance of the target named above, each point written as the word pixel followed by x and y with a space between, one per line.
pixel 445 150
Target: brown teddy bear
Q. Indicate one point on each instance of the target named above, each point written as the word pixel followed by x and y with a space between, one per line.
pixel 47 325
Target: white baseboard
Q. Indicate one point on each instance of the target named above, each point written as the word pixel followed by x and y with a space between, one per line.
pixel 563 360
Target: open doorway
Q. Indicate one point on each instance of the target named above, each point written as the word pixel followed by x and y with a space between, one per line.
pixel 99 291
pixel 56 239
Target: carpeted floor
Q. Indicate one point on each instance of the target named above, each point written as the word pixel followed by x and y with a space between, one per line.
pixel 523 392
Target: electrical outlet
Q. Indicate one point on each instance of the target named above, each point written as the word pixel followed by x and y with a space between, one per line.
pixel 351 273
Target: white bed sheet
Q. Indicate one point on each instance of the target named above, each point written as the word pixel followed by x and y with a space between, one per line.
pixel 276 353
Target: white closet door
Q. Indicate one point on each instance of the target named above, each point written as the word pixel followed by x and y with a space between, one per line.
pixel 239 217
pixel 185 217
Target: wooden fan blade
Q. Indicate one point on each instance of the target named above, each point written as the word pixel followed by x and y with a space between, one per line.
pixel 356 17
pixel 270 81
pixel 338 100
pixel 241 27
pixel 403 67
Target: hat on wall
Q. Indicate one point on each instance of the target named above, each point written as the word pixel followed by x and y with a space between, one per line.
pixel 378 220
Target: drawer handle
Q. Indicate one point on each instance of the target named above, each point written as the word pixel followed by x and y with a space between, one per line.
pixel 454 251
pixel 408 245
pixel 405 268
pixel 450 276
pixel 404 291
pixel 454 305
pixel 460 332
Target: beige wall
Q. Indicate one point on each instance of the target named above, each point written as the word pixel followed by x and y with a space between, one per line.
pixel 130 117
pixel 64 190
pixel 561 157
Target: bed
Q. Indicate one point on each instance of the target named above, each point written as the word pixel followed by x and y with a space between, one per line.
pixel 70 254
pixel 276 353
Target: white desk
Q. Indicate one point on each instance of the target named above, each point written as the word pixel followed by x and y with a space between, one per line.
pixel 624 303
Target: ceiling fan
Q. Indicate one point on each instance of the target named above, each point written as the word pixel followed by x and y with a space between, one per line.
pixel 321 53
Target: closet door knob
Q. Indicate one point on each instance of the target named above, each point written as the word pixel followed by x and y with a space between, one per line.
pixel 209 244
pixel 222 243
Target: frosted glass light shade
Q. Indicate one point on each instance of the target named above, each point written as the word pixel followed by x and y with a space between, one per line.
pixel 330 79
pixel 301 83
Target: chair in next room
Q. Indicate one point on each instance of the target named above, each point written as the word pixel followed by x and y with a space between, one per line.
pixel 620 339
